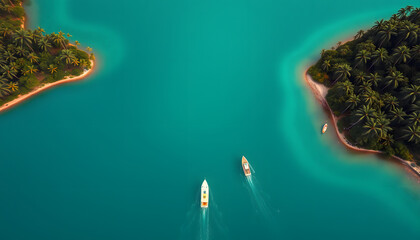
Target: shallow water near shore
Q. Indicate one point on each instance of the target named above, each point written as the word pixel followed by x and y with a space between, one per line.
pixel 181 91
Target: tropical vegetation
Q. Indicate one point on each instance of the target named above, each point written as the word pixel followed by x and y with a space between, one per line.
pixel 374 85
pixel 30 58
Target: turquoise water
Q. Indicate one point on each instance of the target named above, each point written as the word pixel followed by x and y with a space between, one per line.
pixel 182 90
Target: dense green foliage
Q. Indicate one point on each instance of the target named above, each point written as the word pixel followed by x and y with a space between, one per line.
pixel 374 84
pixel 29 58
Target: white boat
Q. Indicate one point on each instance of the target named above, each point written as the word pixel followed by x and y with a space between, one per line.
pixel 324 128
pixel 245 166
pixel 204 194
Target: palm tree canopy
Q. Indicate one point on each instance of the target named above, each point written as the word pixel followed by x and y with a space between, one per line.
pixel 401 54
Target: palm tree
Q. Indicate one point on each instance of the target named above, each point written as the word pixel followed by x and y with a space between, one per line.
pixel 379 114
pixel 40 30
pixel 414 119
pixel 52 69
pixel 411 93
pixel 409 32
pixel 30 69
pixel 13 86
pixel 14 66
pixel 59 39
pixel 414 14
pixel 342 71
pixel 67 55
pixel 386 33
pixel 397 115
pixel 391 102
pixel 415 52
pixel 352 102
pixel 8 72
pixel 77 43
pixel 6 31
pixel 401 53
pixel 412 134
pixel 344 50
pixel 366 86
pixel 22 37
pixel 391 69
pixel 4 90
pixel 359 34
pixel 394 79
pixel 359 76
pixel 326 65
pixel 408 9
pixel 380 56
pixel 83 63
pixel 44 45
pixel 402 13
pixel 362 57
pixel 364 112
pixel 33 57
pixel 383 124
pixel 9 56
pixel 378 25
pixel 372 128
pixel 347 87
pixel 374 78
pixel 20 51
pixel 35 36
pixel 370 97
pixel 387 139
pixel 89 49
pixel 76 62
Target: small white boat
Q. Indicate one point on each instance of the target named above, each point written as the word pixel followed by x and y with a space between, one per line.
pixel 324 128
pixel 245 166
pixel 204 194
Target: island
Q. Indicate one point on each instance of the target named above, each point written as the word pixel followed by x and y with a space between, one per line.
pixel 32 61
pixel 371 86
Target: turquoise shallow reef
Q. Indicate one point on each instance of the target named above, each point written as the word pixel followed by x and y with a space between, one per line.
pixel 181 91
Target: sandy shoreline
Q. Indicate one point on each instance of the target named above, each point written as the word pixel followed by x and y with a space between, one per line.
pixel 320 91
pixel 41 88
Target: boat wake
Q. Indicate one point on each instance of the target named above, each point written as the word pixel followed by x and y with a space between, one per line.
pixel 258 197
pixel 198 225
pixel 260 202
pixel 204 225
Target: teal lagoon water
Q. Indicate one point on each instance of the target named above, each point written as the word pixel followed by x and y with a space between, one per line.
pixel 181 91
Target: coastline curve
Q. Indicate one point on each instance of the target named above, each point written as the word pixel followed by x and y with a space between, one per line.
pixel 292 67
pixel 320 92
pixel 46 86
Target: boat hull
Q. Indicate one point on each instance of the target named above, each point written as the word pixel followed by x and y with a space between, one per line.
pixel 245 166
pixel 324 128
pixel 204 202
